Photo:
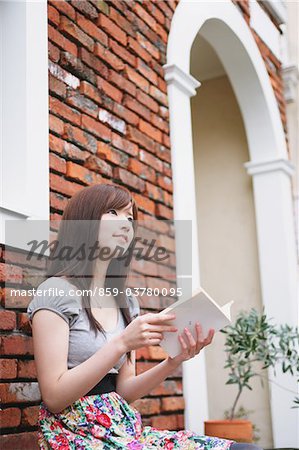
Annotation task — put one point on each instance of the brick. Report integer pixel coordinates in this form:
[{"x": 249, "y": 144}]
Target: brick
[
  {"x": 91, "y": 29},
  {"x": 94, "y": 62},
  {"x": 57, "y": 201},
  {"x": 156, "y": 67},
  {"x": 10, "y": 417},
  {"x": 57, "y": 164},
  {"x": 19, "y": 392},
  {"x": 112, "y": 155},
  {"x": 53, "y": 15},
  {"x": 122, "y": 53},
  {"x": 155, "y": 12},
  {"x": 151, "y": 160},
  {"x": 80, "y": 137},
  {"x": 163, "y": 153},
  {"x": 168, "y": 387},
  {"x": 148, "y": 46},
  {"x": 27, "y": 369},
  {"x": 142, "y": 367},
  {"x": 74, "y": 98},
  {"x": 101, "y": 6},
  {"x": 96, "y": 127},
  {"x": 147, "y": 406},
  {"x": 30, "y": 415},
  {"x": 98, "y": 165},
  {"x": 62, "y": 110},
  {"x": 165, "y": 8},
  {"x": 150, "y": 131},
  {"x": 144, "y": 203},
  {"x": 154, "y": 192},
  {"x": 158, "y": 122},
  {"x": 137, "y": 79},
  {"x": 8, "y": 368},
  {"x": 134, "y": 105},
  {"x": 7, "y": 320},
  {"x": 162, "y": 33},
  {"x": 125, "y": 114},
  {"x": 16, "y": 345},
  {"x": 147, "y": 101},
  {"x": 173, "y": 403},
  {"x": 121, "y": 21},
  {"x": 138, "y": 50},
  {"x": 80, "y": 173},
  {"x": 71, "y": 151},
  {"x": 64, "y": 7},
  {"x": 122, "y": 83},
  {"x": 55, "y": 144},
  {"x": 146, "y": 71},
  {"x": 86, "y": 8},
  {"x": 125, "y": 145},
  {"x": 90, "y": 91},
  {"x": 114, "y": 122},
  {"x": 112, "y": 29},
  {"x": 168, "y": 422},
  {"x": 63, "y": 75},
  {"x": 109, "y": 57},
  {"x": 58, "y": 184},
  {"x": 70, "y": 29},
  {"x": 61, "y": 41},
  {"x": 76, "y": 67},
  {"x": 109, "y": 90},
  {"x": 27, "y": 440},
  {"x": 149, "y": 20},
  {"x": 165, "y": 182},
  {"x": 168, "y": 199},
  {"x": 57, "y": 87},
  {"x": 142, "y": 139},
  {"x": 141, "y": 26},
  {"x": 159, "y": 95},
  {"x": 53, "y": 52},
  {"x": 10, "y": 273},
  {"x": 163, "y": 211},
  {"x": 144, "y": 171},
  {"x": 166, "y": 140},
  {"x": 129, "y": 179}
]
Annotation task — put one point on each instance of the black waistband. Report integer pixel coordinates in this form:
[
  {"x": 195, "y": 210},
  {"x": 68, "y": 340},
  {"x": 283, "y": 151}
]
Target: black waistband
[{"x": 106, "y": 384}]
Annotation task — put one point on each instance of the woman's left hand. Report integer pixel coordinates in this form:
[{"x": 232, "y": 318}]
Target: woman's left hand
[{"x": 191, "y": 347}]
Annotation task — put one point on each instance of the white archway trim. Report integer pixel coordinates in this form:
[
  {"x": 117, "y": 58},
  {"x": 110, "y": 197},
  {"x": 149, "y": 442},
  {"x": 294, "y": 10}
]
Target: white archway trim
[
  {"x": 280, "y": 164},
  {"x": 24, "y": 121},
  {"x": 224, "y": 27},
  {"x": 184, "y": 81}
]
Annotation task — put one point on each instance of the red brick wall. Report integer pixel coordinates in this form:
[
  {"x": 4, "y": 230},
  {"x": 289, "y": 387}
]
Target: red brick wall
[{"x": 108, "y": 123}]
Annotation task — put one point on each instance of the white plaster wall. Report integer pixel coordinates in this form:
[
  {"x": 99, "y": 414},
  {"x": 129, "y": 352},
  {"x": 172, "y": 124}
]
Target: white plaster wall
[{"x": 227, "y": 235}]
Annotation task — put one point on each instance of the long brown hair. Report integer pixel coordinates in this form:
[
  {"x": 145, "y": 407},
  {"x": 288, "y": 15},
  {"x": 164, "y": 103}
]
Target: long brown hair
[{"x": 80, "y": 224}]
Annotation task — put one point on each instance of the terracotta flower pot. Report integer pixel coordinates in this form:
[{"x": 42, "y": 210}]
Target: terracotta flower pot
[{"x": 238, "y": 430}]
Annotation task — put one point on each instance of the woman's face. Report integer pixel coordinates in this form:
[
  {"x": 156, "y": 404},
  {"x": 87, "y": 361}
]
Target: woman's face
[{"x": 116, "y": 229}]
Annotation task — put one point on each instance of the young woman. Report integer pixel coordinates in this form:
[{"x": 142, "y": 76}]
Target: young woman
[{"x": 86, "y": 327}]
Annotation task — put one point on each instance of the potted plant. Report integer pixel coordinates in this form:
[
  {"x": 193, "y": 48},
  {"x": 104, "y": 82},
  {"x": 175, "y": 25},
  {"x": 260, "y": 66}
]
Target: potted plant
[{"x": 251, "y": 340}]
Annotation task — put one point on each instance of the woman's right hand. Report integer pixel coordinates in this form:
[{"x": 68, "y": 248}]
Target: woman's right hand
[{"x": 146, "y": 330}]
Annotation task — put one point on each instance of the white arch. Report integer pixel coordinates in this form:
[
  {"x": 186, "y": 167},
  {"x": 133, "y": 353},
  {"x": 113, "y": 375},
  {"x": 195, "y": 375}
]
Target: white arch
[{"x": 224, "y": 27}]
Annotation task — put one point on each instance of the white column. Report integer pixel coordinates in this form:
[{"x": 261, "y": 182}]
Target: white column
[
  {"x": 277, "y": 258},
  {"x": 181, "y": 86}
]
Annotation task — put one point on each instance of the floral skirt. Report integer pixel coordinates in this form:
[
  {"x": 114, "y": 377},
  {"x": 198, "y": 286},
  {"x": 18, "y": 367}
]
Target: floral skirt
[{"x": 106, "y": 421}]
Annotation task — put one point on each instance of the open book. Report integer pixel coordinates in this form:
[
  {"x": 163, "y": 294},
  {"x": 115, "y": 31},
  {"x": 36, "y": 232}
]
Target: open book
[{"x": 199, "y": 308}]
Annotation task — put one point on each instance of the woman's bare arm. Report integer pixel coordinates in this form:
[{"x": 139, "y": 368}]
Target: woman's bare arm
[{"x": 61, "y": 386}]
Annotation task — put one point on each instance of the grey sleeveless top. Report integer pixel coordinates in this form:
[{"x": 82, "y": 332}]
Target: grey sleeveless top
[{"x": 83, "y": 342}]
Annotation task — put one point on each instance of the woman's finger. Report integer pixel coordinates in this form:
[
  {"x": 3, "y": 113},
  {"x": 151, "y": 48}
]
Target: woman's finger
[
  {"x": 191, "y": 342},
  {"x": 199, "y": 334}
]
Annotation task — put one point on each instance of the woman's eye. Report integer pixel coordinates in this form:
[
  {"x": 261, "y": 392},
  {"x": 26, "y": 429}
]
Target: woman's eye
[{"x": 130, "y": 218}]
